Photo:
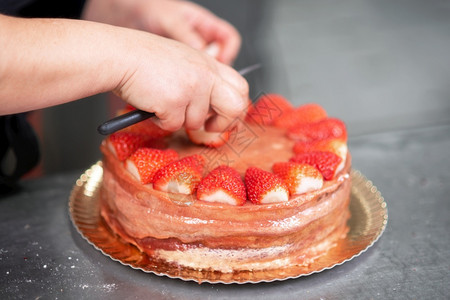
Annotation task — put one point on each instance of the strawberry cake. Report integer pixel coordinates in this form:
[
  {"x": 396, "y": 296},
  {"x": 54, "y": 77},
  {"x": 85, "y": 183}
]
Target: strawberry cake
[{"x": 271, "y": 193}]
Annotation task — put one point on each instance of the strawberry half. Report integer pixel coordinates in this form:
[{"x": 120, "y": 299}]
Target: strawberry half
[
  {"x": 181, "y": 176},
  {"x": 325, "y": 129},
  {"x": 210, "y": 139},
  {"x": 337, "y": 146},
  {"x": 123, "y": 144},
  {"x": 299, "y": 178},
  {"x": 222, "y": 185},
  {"x": 267, "y": 109},
  {"x": 146, "y": 127},
  {"x": 149, "y": 128},
  {"x": 307, "y": 113},
  {"x": 145, "y": 162},
  {"x": 327, "y": 163},
  {"x": 265, "y": 187}
]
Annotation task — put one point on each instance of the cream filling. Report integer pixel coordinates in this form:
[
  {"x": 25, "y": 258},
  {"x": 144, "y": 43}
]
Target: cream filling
[{"x": 227, "y": 260}]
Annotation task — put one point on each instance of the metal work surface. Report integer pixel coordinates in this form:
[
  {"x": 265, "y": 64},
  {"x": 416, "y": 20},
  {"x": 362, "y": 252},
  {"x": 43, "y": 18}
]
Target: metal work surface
[
  {"x": 381, "y": 66},
  {"x": 42, "y": 255}
]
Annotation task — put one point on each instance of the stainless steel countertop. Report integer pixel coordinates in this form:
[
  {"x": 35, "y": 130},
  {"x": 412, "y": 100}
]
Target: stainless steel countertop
[
  {"x": 43, "y": 256},
  {"x": 382, "y": 66}
]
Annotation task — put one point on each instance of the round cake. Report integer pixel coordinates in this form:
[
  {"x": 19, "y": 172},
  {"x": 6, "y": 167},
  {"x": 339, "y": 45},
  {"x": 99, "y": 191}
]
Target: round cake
[{"x": 272, "y": 192}]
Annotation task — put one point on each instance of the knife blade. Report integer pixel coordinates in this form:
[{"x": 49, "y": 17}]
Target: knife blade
[{"x": 136, "y": 116}]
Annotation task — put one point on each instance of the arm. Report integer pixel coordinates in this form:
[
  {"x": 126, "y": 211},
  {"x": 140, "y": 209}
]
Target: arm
[
  {"x": 45, "y": 62},
  {"x": 180, "y": 20}
]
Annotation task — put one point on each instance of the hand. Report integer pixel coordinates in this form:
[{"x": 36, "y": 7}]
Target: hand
[
  {"x": 180, "y": 20},
  {"x": 182, "y": 86}
]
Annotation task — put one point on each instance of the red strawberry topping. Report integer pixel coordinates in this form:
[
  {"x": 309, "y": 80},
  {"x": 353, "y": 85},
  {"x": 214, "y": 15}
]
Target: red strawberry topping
[
  {"x": 123, "y": 144},
  {"x": 129, "y": 107},
  {"x": 181, "y": 176},
  {"x": 146, "y": 127},
  {"x": 328, "y": 163},
  {"x": 210, "y": 139},
  {"x": 307, "y": 113},
  {"x": 337, "y": 146},
  {"x": 321, "y": 130},
  {"x": 299, "y": 178},
  {"x": 265, "y": 187},
  {"x": 145, "y": 162},
  {"x": 267, "y": 109},
  {"x": 223, "y": 185}
]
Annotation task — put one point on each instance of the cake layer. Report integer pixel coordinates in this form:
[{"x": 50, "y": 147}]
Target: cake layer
[
  {"x": 144, "y": 212},
  {"x": 187, "y": 232},
  {"x": 250, "y": 251},
  {"x": 204, "y": 235}
]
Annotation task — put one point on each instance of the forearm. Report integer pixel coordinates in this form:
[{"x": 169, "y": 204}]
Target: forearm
[{"x": 44, "y": 62}]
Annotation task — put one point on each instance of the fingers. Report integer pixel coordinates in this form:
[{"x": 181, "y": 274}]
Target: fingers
[
  {"x": 172, "y": 119},
  {"x": 226, "y": 51},
  {"x": 222, "y": 33},
  {"x": 218, "y": 105},
  {"x": 232, "y": 77},
  {"x": 230, "y": 42},
  {"x": 192, "y": 117},
  {"x": 228, "y": 102},
  {"x": 212, "y": 49},
  {"x": 220, "y": 39},
  {"x": 224, "y": 102},
  {"x": 193, "y": 25},
  {"x": 182, "y": 85},
  {"x": 196, "y": 113}
]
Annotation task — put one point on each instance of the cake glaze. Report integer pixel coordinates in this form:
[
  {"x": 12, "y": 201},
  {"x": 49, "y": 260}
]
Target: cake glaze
[{"x": 189, "y": 233}]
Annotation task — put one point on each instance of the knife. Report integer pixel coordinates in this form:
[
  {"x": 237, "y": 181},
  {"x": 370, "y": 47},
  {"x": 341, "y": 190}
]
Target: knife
[{"x": 136, "y": 116}]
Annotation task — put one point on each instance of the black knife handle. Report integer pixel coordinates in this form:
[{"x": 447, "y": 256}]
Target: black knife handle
[{"x": 123, "y": 121}]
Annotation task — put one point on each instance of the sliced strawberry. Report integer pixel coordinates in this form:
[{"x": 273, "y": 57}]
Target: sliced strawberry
[
  {"x": 124, "y": 110},
  {"x": 123, "y": 144},
  {"x": 222, "y": 185},
  {"x": 327, "y": 163},
  {"x": 181, "y": 176},
  {"x": 145, "y": 162},
  {"x": 299, "y": 178},
  {"x": 267, "y": 109},
  {"x": 210, "y": 139},
  {"x": 324, "y": 129},
  {"x": 337, "y": 146},
  {"x": 146, "y": 127},
  {"x": 265, "y": 187},
  {"x": 129, "y": 107},
  {"x": 307, "y": 113}
]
